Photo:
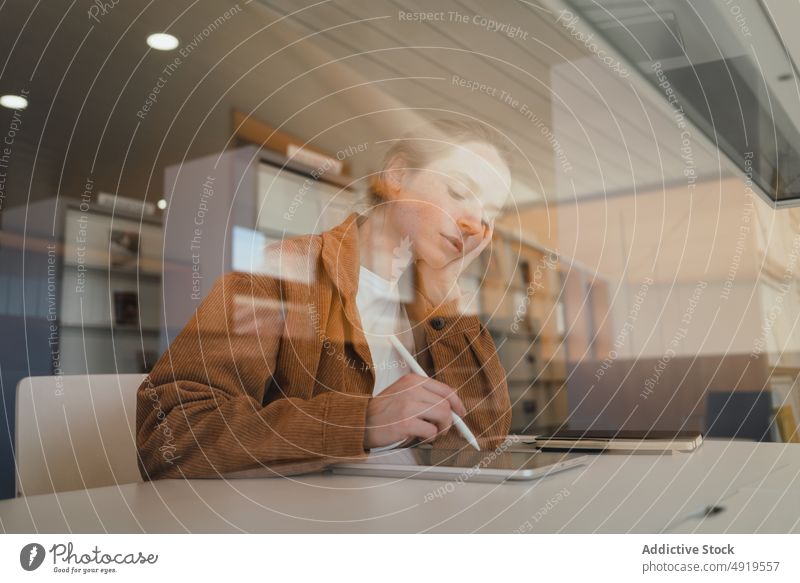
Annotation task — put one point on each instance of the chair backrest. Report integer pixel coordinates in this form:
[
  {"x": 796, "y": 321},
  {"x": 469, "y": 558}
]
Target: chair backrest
[
  {"x": 76, "y": 432},
  {"x": 739, "y": 414}
]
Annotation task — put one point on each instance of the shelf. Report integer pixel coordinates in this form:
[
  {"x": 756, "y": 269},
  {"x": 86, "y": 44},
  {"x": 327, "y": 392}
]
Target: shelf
[
  {"x": 117, "y": 270},
  {"x": 108, "y": 327},
  {"x": 116, "y": 213}
]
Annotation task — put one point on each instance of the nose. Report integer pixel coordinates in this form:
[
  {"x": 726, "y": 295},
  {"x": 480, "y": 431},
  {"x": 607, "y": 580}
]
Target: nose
[{"x": 469, "y": 226}]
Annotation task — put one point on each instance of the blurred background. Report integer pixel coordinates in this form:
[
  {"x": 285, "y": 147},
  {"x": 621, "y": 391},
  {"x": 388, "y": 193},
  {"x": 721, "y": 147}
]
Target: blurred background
[{"x": 643, "y": 274}]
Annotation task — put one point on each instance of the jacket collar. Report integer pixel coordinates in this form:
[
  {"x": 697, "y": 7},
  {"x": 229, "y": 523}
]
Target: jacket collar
[
  {"x": 340, "y": 256},
  {"x": 342, "y": 263}
]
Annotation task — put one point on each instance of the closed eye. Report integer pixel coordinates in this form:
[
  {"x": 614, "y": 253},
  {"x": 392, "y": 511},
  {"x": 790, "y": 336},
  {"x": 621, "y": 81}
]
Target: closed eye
[{"x": 455, "y": 195}]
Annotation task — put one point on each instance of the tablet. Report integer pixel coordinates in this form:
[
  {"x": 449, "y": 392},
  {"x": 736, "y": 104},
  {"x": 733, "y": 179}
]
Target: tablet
[{"x": 466, "y": 464}]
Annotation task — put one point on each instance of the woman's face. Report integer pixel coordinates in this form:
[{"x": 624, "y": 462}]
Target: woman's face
[{"x": 448, "y": 207}]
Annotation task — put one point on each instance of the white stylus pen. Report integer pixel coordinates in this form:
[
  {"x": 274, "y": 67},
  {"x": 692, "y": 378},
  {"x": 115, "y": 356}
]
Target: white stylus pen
[{"x": 417, "y": 369}]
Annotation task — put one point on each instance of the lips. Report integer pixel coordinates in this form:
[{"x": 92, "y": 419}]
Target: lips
[{"x": 455, "y": 242}]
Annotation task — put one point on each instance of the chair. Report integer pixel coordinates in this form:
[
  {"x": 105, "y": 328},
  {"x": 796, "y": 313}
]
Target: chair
[
  {"x": 739, "y": 415},
  {"x": 76, "y": 432}
]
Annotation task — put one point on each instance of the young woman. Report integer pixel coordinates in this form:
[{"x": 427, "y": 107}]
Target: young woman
[{"x": 292, "y": 368}]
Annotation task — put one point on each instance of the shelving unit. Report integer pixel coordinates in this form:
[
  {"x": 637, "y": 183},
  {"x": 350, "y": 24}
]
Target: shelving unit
[
  {"x": 224, "y": 209},
  {"x": 84, "y": 332},
  {"x": 529, "y": 295}
]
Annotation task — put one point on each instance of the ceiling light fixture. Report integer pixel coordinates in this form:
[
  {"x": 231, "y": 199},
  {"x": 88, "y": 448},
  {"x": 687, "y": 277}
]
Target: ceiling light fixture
[
  {"x": 13, "y": 101},
  {"x": 162, "y": 41}
]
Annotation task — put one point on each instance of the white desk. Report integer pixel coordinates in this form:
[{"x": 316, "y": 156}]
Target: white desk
[{"x": 759, "y": 485}]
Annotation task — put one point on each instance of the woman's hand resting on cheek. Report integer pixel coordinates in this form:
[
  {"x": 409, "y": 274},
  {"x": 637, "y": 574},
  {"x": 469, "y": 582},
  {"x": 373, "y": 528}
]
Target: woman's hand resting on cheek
[
  {"x": 412, "y": 407},
  {"x": 440, "y": 284}
]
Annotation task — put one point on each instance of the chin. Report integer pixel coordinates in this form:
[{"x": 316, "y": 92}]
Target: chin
[{"x": 437, "y": 259}]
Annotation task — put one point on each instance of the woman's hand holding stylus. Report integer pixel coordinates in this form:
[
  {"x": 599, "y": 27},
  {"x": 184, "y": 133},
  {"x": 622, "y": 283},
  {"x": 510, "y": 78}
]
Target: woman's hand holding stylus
[{"x": 413, "y": 407}]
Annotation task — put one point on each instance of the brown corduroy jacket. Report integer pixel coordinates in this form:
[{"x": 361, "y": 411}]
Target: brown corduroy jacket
[{"x": 273, "y": 370}]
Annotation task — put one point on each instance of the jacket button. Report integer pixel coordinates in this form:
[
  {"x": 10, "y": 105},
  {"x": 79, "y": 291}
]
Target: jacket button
[{"x": 437, "y": 323}]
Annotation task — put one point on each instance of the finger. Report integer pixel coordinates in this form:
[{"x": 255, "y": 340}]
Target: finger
[
  {"x": 420, "y": 429},
  {"x": 442, "y": 391},
  {"x": 476, "y": 249},
  {"x": 487, "y": 237},
  {"x": 472, "y": 243},
  {"x": 446, "y": 392},
  {"x": 426, "y": 399},
  {"x": 439, "y": 414},
  {"x": 429, "y": 399}
]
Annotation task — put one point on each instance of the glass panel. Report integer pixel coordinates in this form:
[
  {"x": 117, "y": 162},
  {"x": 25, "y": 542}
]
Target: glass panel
[{"x": 723, "y": 65}]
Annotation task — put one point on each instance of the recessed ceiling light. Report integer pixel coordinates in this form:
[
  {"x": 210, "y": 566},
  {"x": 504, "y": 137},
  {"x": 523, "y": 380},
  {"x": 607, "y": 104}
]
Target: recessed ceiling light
[
  {"x": 162, "y": 204},
  {"x": 162, "y": 41},
  {"x": 13, "y": 101}
]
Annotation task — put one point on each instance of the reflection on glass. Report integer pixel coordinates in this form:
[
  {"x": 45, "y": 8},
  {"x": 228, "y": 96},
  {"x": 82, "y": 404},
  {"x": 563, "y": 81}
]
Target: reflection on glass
[{"x": 721, "y": 65}]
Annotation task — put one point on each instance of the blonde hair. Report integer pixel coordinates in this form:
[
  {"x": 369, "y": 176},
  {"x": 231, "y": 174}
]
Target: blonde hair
[{"x": 430, "y": 141}]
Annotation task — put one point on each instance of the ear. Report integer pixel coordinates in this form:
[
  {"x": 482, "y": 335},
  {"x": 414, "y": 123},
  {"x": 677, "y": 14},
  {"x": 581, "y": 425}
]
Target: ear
[{"x": 393, "y": 176}]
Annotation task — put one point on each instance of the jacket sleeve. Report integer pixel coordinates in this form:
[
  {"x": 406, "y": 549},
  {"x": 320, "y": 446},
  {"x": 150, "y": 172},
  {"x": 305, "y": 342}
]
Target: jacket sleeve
[
  {"x": 200, "y": 411},
  {"x": 462, "y": 354}
]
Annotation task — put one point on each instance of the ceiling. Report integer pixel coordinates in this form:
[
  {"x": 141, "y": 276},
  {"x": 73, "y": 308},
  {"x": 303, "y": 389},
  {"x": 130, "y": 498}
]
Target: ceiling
[
  {"x": 88, "y": 80},
  {"x": 335, "y": 72},
  {"x": 610, "y": 137}
]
